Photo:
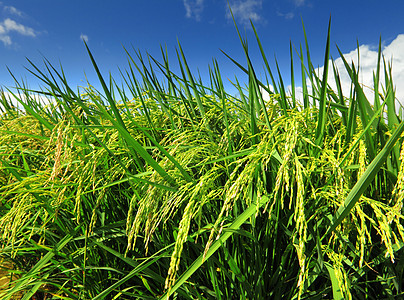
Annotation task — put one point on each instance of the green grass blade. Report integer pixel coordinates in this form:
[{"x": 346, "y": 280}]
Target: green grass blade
[
  {"x": 376, "y": 77},
  {"x": 240, "y": 220},
  {"x": 390, "y": 97},
  {"x": 137, "y": 270},
  {"x": 253, "y": 111},
  {"x": 366, "y": 178},
  {"x": 186, "y": 175},
  {"x": 192, "y": 82},
  {"x": 40, "y": 264},
  {"x": 107, "y": 91},
  {"x": 336, "y": 291},
  {"x": 322, "y": 117},
  {"x": 136, "y": 146},
  {"x": 220, "y": 89},
  {"x": 363, "y": 105},
  {"x": 340, "y": 94},
  {"x": 352, "y": 148},
  {"x": 31, "y": 111},
  {"x": 306, "y": 103},
  {"x": 282, "y": 92},
  {"x": 265, "y": 60},
  {"x": 292, "y": 77},
  {"x": 310, "y": 67}
]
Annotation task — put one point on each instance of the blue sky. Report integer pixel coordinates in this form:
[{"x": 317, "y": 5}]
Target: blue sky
[{"x": 54, "y": 30}]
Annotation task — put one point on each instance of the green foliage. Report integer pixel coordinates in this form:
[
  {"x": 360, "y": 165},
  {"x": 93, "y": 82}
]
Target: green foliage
[{"x": 181, "y": 190}]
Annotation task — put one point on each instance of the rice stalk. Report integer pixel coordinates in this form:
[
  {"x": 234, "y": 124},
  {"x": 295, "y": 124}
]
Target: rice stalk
[{"x": 108, "y": 197}]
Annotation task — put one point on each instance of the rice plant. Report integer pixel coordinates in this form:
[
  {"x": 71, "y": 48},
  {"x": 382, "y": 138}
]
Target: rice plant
[{"x": 165, "y": 186}]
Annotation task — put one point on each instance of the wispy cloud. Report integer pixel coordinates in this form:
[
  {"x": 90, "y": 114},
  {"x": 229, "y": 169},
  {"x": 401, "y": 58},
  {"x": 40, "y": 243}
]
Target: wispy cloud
[
  {"x": 299, "y": 2},
  {"x": 12, "y": 10},
  {"x": 84, "y": 37},
  {"x": 5, "y": 39},
  {"x": 246, "y": 10},
  {"x": 291, "y": 9},
  {"x": 193, "y": 9},
  {"x": 9, "y": 26},
  {"x": 287, "y": 16}
]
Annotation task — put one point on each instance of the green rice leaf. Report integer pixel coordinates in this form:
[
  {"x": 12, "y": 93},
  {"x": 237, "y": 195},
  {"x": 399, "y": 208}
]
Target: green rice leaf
[
  {"x": 364, "y": 181},
  {"x": 336, "y": 290},
  {"x": 241, "y": 219}
]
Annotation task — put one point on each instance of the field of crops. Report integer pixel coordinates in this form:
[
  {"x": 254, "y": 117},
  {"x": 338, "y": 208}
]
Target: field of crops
[{"x": 167, "y": 186}]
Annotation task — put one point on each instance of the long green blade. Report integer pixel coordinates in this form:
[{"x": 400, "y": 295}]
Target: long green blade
[
  {"x": 240, "y": 220},
  {"x": 364, "y": 181},
  {"x": 322, "y": 117}
]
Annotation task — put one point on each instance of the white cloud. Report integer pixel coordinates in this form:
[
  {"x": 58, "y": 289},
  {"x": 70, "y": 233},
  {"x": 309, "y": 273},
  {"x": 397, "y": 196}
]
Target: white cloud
[
  {"x": 11, "y": 25},
  {"x": 13, "y": 10},
  {"x": 8, "y": 26},
  {"x": 193, "y": 8},
  {"x": 394, "y": 53},
  {"x": 84, "y": 37},
  {"x": 246, "y": 10}
]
